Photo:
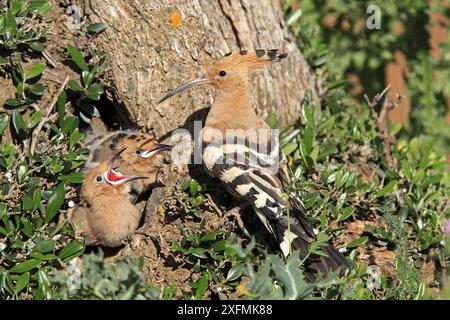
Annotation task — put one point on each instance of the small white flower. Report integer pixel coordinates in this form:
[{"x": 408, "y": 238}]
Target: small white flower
[
  {"x": 316, "y": 232},
  {"x": 342, "y": 250},
  {"x": 404, "y": 190},
  {"x": 71, "y": 204}
]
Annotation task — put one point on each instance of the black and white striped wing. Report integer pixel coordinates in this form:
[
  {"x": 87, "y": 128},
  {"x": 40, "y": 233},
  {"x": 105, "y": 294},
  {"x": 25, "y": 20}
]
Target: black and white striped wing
[{"x": 256, "y": 178}]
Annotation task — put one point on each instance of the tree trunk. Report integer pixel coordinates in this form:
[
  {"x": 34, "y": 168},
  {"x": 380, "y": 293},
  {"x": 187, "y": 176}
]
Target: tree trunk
[{"x": 151, "y": 51}]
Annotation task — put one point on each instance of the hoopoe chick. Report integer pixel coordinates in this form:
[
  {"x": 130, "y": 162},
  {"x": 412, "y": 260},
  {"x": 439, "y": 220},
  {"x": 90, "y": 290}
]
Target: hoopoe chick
[
  {"x": 241, "y": 150},
  {"x": 140, "y": 158},
  {"x": 105, "y": 216}
]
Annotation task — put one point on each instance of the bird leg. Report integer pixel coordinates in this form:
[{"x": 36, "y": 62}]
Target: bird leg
[{"x": 235, "y": 212}]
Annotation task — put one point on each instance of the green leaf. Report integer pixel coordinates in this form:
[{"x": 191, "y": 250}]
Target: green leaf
[
  {"x": 10, "y": 23},
  {"x": 69, "y": 125},
  {"x": 87, "y": 78},
  {"x": 35, "y": 71},
  {"x": 4, "y": 123},
  {"x": 289, "y": 148},
  {"x": 96, "y": 27},
  {"x": 406, "y": 167},
  {"x": 327, "y": 124},
  {"x": 95, "y": 92},
  {"x": 27, "y": 203},
  {"x": 290, "y": 275},
  {"x": 37, "y": 89},
  {"x": 55, "y": 202},
  {"x": 27, "y": 228},
  {"x": 75, "y": 137},
  {"x": 210, "y": 236},
  {"x": 272, "y": 120},
  {"x": 357, "y": 242},
  {"x": 71, "y": 251},
  {"x": 37, "y": 46},
  {"x": 61, "y": 106},
  {"x": 45, "y": 8},
  {"x": 220, "y": 245},
  {"x": 18, "y": 122},
  {"x": 308, "y": 141},
  {"x": 22, "y": 171},
  {"x": 36, "y": 5},
  {"x": 308, "y": 114},
  {"x": 36, "y": 199},
  {"x": 25, "y": 266},
  {"x": 20, "y": 90},
  {"x": 169, "y": 291},
  {"x": 193, "y": 188},
  {"x": 13, "y": 102},
  {"x": 18, "y": 6},
  {"x": 202, "y": 286},
  {"x": 235, "y": 272},
  {"x": 77, "y": 57},
  {"x": 45, "y": 246},
  {"x": 3, "y": 61},
  {"x": 74, "y": 177},
  {"x": 74, "y": 86},
  {"x": 346, "y": 213},
  {"x": 34, "y": 119},
  {"x": 3, "y": 208},
  {"x": 22, "y": 282},
  {"x": 388, "y": 188},
  {"x": 198, "y": 252}
]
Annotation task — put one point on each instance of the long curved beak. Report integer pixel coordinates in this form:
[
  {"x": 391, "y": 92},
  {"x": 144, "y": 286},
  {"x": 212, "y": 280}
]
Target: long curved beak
[
  {"x": 195, "y": 82},
  {"x": 155, "y": 150}
]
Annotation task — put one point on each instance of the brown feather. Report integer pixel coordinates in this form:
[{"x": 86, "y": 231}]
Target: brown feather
[{"x": 105, "y": 216}]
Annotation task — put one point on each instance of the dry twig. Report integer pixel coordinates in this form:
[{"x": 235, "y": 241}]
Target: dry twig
[
  {"x": 46, "y": 117},
  {"x": 382, "y": 120}
]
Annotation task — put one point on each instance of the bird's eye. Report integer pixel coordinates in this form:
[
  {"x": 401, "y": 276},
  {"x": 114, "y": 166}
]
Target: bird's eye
[
  {"x": 138, "y": 152},
  {"x": 222, "y": 73},
  {"x": 99, "y": 179}
]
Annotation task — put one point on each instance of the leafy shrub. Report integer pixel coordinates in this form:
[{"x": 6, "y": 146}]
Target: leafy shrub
[{"x": 97, "y": 279}]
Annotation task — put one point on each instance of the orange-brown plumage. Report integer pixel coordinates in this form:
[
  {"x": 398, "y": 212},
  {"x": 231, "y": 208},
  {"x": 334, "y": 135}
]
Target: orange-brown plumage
[
  {"x": 105, "y": 215},
  {"x": 131, "y": 161}
]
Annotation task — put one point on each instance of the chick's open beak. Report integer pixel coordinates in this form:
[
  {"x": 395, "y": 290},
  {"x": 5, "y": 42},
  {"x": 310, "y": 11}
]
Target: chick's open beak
[
  {"x": 116, "y": 178},
  {"x": 195, "y": 82}
]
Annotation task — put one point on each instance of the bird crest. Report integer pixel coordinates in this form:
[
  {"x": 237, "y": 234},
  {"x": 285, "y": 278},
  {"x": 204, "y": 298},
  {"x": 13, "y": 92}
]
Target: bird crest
[
  {"x": 250, "y": 60},
  {"x": 233, "y": 70}
]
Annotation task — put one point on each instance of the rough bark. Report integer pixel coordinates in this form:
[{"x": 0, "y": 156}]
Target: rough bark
[{"x": 149, "y": 55}]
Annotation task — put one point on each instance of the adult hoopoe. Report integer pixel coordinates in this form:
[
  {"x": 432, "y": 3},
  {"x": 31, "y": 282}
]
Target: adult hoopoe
[
  {"x": 140, "y": 158},
  {"x": 239, "y": 148},
  {"x": 105, "y": 216}
]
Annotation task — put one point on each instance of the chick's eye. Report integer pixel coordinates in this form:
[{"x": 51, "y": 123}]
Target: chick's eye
[
  {"x": 222, "y": 73},
  {"x": 99, "y": 179},
  {"x": 138, "y": 151}
]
